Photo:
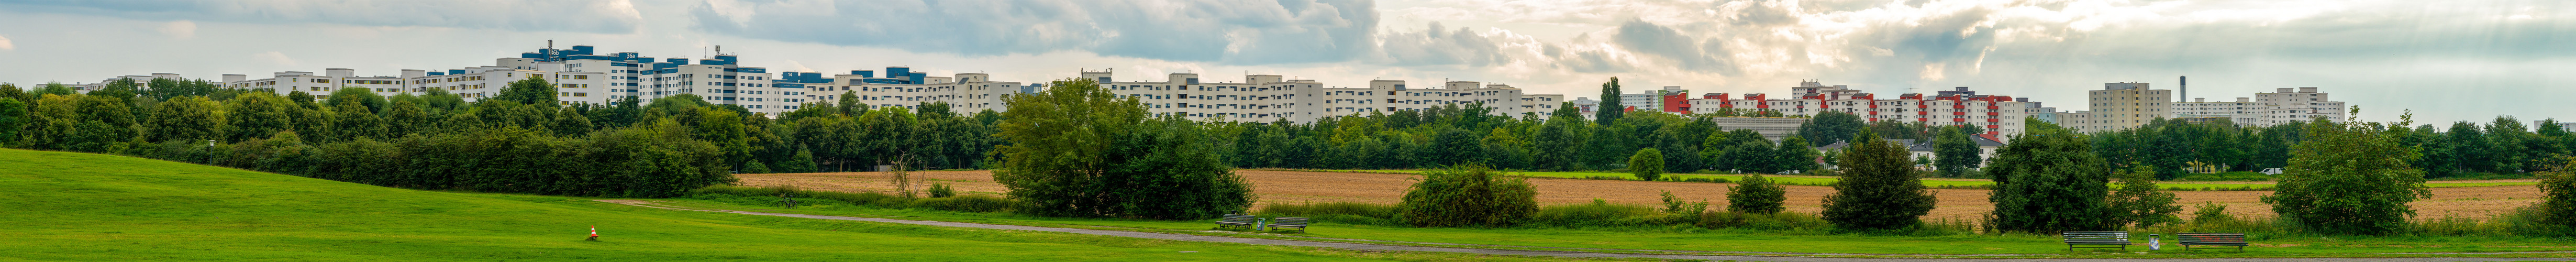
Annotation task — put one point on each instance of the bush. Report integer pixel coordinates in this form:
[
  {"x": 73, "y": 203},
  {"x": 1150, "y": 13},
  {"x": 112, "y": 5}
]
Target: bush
[
  {"x": 938, "y": 190},
  {"x": 1772, "y": 221},
  {"x": 1879, "y": 189},
  {"x": 1647, "y": 164},
  {"x": 965, "y": 203},
  {"x": 2139, "y": 201},
  {"x": 1597, "y": 214},
  {"x": 1468, "y": 195},
  {"x": 1329, "y": 208},
  {"x": 2349, "y": 178},
  {"x": 2557, "y": 208},
  {"x": 2211, "y": 212},
  {"x": 1757, "y": 195}
]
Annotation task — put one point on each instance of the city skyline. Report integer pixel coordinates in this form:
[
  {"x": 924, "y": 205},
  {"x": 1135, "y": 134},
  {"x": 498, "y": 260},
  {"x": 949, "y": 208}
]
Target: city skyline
[{"x": 2386, "y": 56}]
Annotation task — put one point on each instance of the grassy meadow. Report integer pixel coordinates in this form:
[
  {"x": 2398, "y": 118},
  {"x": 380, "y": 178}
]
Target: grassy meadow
[{"x": 89, "y": 207}]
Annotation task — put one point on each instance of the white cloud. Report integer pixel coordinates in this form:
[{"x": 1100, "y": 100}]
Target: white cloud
[
  {"x": 1231, "y": 31},
  {"x": 610, "y": 16},
  {"x": 182, "y": 29},
  {"x": 274, "y": 57},
  {"x": 6, "y": 45}
]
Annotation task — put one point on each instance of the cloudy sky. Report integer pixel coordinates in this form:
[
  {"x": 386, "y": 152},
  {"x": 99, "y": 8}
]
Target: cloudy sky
[{"x": 2447, "y": 60}]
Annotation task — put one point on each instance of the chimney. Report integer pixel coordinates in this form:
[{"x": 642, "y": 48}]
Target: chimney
[{"x": 2183, "y": 83}]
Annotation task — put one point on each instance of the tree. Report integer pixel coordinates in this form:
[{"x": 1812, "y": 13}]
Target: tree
[
  {"x": 2349, "y": 178},
  {"x": 1647, "y": 164},
  {"x": 1794, "y": 154},
  {"x": 2049, "y": 181},
  {"x": 1879, "y": 189},
  {"x": 1079, "y": 150},
  {"x": 534, "y": 91},
  {"x": 1610, "y": 108},
  {"x": 1829, "y": 127},
  {"x": 355, "y": 122},
  {"x": 2139, "y": 201},
  {"x": 254, "y": 115},
  {"x": 1453, "y": 146},
  {"x": 405, "y": 117},
  {"x": 361, "y": 96},
  {"x": 186, "y": 119},
  {"x": 2558, "y": 206},
  {"x": 1757, "y": 195},
  {"x": 1956, "y": 153},
  {"x": 12, "y": 119},
  {"x": 1466, "y": 196}
]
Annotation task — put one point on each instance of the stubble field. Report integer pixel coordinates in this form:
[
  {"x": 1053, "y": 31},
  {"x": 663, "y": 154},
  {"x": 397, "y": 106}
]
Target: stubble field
[{"x": 1301, "y": 187}]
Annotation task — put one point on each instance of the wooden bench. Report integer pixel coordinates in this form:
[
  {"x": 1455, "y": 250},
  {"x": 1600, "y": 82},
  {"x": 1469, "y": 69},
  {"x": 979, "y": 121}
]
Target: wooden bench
[
  {"x": 2096, "y": 239},
  {"x": 1239, "y": 221},
  {"x": 2211, "y": 239},
  {"x": 1288, "y": 222}
]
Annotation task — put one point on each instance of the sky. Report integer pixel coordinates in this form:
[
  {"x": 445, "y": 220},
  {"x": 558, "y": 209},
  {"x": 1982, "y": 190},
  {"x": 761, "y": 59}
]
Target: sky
[{"x": 2452, "y": 60}]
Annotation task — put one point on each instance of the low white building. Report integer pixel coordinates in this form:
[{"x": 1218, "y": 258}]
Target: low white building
[
  {"x": 1271, "y": 97},
  {"x": 2265, "y": 109}
]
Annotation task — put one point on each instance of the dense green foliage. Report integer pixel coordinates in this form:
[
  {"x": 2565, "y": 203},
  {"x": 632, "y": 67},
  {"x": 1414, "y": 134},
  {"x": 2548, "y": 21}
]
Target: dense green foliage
[
  {"x": 1647, "y": 164},
  {"x": 2350, "y": 177},
  {"x": 1468, "y": 196},
  {"x": 1757, "y": 195},
  {"x": 1954, "y": 153},
  {"x": 2139, "y": 202},
  {"x": 1610, "y": 108},
  {"x": 1079, "y": 150},
  {"x": 2559, "y": 201},
  {"x": 2048, "y": 181},
  {"x": 1879, "y": 190},
  {"x": 1829, "y": 127}
]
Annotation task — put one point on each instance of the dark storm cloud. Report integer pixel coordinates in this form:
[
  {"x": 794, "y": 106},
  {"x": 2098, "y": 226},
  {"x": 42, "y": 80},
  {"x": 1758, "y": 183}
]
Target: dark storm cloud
[{"x": 573, "y": 16}]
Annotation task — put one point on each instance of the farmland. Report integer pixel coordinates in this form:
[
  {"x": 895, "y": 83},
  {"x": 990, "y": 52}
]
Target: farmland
[{"x": 1276, "y": 186}]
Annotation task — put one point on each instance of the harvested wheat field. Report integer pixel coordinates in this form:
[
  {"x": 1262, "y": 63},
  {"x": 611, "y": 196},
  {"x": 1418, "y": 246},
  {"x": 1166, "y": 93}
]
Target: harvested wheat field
[{"x": 1300, "y": 187}]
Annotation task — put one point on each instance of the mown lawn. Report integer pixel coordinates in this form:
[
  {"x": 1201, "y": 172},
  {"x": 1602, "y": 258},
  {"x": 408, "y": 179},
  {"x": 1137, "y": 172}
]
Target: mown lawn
[
  {"x": 1694, "y": 239},
  {"x": 1937, "y": 183},
  {"x": 58, "y": 206}
]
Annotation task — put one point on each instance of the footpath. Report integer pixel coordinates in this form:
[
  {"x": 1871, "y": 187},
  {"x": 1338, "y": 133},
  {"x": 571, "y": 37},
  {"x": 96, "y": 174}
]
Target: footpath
[{"x": 1783, "y": 257}]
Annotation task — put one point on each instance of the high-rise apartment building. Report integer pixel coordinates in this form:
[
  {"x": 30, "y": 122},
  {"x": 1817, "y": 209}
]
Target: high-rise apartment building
[
  {"x": 1999, "y": 115},
  {"x": 2119, "y": 106},
  {"x": 1271, "y": 97}
]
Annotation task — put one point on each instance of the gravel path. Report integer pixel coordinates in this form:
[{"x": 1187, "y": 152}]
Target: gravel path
[{"x": 1359, "y": 246}]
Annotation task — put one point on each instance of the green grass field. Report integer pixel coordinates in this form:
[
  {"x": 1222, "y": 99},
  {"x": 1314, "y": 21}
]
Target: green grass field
[
  {"x": 79, "y": 207},
  {"x": 1694, "y": 239},
  {"x": 1960, "y": 183}
]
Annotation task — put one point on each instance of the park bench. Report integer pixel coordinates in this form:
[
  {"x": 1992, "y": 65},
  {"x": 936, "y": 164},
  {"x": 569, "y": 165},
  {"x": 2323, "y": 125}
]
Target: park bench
[
  {"x": 2211, "y": 239},
  {"x": 2096, "y": 239},
  {"x": 1239, "y": 221},
  {"x": 1288, "y": 222}
]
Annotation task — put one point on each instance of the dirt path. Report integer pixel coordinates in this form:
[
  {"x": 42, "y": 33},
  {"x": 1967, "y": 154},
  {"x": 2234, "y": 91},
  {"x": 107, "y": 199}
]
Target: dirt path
[
  {"x": 1957, "y": 204},
  {"x": 1691, "y": 255}
]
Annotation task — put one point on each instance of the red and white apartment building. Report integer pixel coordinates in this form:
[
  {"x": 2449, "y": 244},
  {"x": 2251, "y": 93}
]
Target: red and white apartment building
[{"x": 2000, "y": 115}]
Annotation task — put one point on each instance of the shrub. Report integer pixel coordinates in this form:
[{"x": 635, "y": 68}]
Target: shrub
[
  {"x": 2557, "y": 208},
  {"x": 1078, "y": 150},
  {"x": 1597, "y": 214},
  {"x": 1879, "y": 189},
  {"x": 1468, "y": 195},
  {"x": 1335, "y": 212},
  {"x": 1647, "y": 164},
  {"x": 938, "y": 190},
  {"x": 1773, "y": 221},
  {"x": 1757, "y": 195},
  {"x": 2211, "y": 212},
  {"x": 2348, "y": 178},
  {"x": 2139, "y": 201},
  {"x": 1674, "y": 206},
  {"x": 965, "y": 203}
]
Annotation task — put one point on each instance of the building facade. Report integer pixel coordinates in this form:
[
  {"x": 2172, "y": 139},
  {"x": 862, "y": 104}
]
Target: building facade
[
  {"x": 1262, "y": 98},
  {"x": 2265, "y": 109},
  {"x": 2118, "y": 106},
  {"x": 1998, "y": 115}
]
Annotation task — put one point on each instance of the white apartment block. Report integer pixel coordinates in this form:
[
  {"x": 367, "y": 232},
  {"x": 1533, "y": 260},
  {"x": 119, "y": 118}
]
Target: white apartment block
[
  {"x": 2265, "y": 109},
  {"x": 578, "y": 75},
  {"x": 1269, "y": 97},
  {"x": 900, "y": 87}
]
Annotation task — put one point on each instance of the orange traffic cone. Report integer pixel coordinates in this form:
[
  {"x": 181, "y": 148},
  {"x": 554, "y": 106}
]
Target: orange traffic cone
[{"x": 594, "y": 233}]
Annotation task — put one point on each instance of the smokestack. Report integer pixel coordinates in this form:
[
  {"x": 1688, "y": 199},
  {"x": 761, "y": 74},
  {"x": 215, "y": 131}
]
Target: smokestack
[{"x": 2185, "y": 85}]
